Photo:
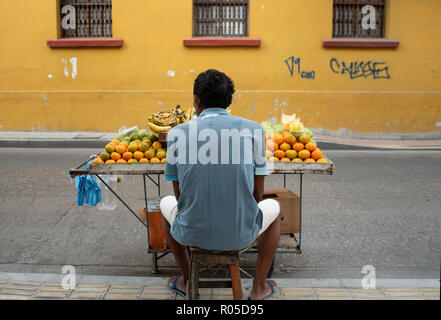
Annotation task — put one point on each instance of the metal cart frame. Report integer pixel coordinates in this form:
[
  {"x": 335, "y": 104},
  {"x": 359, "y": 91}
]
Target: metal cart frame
[{"x": 148, "y": 171}]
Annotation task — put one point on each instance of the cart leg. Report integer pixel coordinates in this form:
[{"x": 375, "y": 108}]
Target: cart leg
[
  {"x": 154, "y": 263},
  {"x": 300, "y": 199},
  {"x": 284, "y": 181},
  {"x": 146, "y": 210},
  {"x": 159, "y": 185}
]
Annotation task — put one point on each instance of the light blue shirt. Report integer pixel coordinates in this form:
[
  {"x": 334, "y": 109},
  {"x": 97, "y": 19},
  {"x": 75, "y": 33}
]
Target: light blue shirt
[{"x": 217, "y": 209}]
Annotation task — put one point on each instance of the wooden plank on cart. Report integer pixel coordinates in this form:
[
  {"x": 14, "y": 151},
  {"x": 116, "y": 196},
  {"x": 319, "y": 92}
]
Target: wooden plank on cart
[
  {"x": 158, "y": 168},
  {"x": 127, "y": 168},
  {"x": 302, "y": 167}
]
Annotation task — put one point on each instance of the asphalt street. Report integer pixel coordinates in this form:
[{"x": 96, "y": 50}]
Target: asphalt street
[{"x": 381, "y": 208}]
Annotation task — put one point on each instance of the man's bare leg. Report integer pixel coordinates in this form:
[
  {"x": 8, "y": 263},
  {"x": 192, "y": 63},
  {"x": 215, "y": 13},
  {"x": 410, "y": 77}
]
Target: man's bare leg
[
  {"x": 267, "y": 244},
  {"x": 181, "y": 256}
]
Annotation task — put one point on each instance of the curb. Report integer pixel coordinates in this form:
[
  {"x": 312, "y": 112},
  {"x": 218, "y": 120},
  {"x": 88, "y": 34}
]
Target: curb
[
  {"x": 282, "y": 282},
  {"x": 100, "y": 144},
  {"x": 53, "y": 143}
]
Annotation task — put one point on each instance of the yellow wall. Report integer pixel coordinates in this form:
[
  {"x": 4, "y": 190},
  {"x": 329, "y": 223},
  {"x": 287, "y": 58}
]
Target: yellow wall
[{"x": 115, "y": 87}]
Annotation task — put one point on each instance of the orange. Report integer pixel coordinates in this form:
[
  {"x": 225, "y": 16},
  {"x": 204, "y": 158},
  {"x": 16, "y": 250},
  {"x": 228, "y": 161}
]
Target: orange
[
  {"x": 110, "y": 161},
  {"x": 285, "y": 160},
  {"x": 138, "y": 155},
  {"x": 298, "y": 146},
  {"x": 304, "y": 138},
  {"x": 285, "y": 146},
  {"x": 297, "y": 160},
  {"x": 164, "y": 160},
  {"x": 121, "y": 161},
  {"x": 104, "y": 156},
  {"x": 147, "y": 141},
  {"x": 143, "y": 147},
  {"x": 121, "y": 148},
  {"x": 115, "y": 156},
  {"x": 270, "y": 145},
  {"x": 317, "y": 154},
  {"x": 98, "y": 160},
  {"x": 132, "y": 161},
  {"x": 127, "y": 155},
  {"x": 156, "y": 145},
  {"x": 160, "y": 155},
  {"x": 155, "y": 160},
  {"x": 290, "y": 139},
  {"x": 125, "y": 143},
  {"x": 132, "y": 147},
  {"x": 322, "y": 160},
  {"x": 279, "y": 154},
  {"x": 304, "y": 154},
  {"x": 110, "y": 148},
  {"x": 115, "y": 141},
  {"x": 144, "y": 160},
  {"x": 149, "y": 154},
  {"x": 309, "y": 160},
  {"x": 285, "y": 133},
  {"x": 271, "y": 135},
  {"x": 278, "y": 138},
  {"x": 291, "y": 154},
  {"x": 273, "y": 159},
  {"x": 311, "y": 146}
]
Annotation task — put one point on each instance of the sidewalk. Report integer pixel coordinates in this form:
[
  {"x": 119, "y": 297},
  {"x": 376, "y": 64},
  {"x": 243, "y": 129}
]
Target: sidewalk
[
  {"x": 47, "y": 286},
  {"x": 84, "y": 140}
]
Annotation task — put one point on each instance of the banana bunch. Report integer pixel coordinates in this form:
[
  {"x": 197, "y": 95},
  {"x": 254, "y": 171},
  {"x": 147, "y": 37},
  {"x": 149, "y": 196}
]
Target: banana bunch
[{"x": 164, "y": 120}]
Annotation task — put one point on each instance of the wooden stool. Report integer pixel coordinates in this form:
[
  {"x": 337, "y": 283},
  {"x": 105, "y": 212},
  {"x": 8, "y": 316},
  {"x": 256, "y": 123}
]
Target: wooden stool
[{"x": 205, "y": 257}]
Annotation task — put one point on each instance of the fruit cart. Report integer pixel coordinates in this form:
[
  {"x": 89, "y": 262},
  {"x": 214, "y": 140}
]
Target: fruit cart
[{"x": 289, "y": 243}]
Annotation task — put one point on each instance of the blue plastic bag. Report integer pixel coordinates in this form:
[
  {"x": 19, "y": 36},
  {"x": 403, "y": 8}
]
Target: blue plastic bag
[{"x": 88, "y": 190}]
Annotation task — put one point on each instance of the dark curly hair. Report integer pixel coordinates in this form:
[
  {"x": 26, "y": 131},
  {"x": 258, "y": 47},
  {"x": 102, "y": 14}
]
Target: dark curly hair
[{"x": 214, "y": 88}]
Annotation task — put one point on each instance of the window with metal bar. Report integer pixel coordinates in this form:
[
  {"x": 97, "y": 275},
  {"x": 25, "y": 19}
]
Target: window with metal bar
[
  {"x": 348, "y": 16},
  {"x": 220, "y": 18},
  {"x": 93, "y": 19}
]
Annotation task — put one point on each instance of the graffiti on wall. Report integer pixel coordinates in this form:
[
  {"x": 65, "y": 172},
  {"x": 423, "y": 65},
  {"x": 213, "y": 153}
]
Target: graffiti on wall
[
  {"x": 294, "y": 66},
  {"x": 361, "y": 69}
]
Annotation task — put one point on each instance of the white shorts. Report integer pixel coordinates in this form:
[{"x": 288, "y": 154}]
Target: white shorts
[{"x": 270, "y": 209}]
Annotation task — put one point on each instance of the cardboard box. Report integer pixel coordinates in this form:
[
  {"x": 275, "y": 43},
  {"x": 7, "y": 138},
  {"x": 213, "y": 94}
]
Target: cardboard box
[{"x": 289, "y": 209}]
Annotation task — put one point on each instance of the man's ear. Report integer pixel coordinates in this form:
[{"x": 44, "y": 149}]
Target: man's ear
[{"x": 197, "y": 104}]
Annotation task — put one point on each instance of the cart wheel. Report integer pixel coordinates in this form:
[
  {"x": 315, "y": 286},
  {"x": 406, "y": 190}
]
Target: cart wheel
[{"x": 270, "y": 272}]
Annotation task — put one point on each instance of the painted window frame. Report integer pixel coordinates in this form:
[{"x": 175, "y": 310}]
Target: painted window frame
[
  {"x": 82, "y": 42},
  {"x": 222, "y": 40},
  {"x": 361, "y": 42}
]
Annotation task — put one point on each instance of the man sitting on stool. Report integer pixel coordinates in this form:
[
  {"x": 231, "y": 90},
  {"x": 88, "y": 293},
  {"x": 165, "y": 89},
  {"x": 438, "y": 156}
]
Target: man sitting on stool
[{"x": 217, "y": 165}]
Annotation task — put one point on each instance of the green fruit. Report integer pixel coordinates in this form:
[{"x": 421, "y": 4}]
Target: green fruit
[
  {"x": 309, "y": 132},
  {"x": 134, "y": 136},
  {"x": 104, "y": 156},
  {"x": 144, "y": 134},
  {"x": 278, "y": 128},
  {"x": 153, "y": 138},
  {"x": 143, "y": 147},
  {"x": 297, "y": 134}
]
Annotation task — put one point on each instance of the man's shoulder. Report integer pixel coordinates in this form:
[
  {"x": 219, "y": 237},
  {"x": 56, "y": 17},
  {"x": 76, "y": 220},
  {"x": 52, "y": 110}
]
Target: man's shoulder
[{"x": 247, "y": 123}]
